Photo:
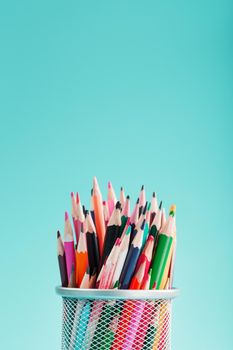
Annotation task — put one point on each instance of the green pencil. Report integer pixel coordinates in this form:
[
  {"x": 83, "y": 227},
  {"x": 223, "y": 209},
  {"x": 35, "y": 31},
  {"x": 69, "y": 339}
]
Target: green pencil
[{"x": 162, "y": 250}]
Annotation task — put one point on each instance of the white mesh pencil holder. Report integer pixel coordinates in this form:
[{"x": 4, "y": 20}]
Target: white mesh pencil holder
[{"x": 116, "y": 319}]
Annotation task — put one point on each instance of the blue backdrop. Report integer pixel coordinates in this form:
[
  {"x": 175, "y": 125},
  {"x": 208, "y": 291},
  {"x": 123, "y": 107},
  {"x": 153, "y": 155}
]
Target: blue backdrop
[{"x": 131, "y": 91}]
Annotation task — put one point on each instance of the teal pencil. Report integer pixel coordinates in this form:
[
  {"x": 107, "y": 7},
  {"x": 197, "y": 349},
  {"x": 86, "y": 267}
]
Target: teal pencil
[{"x": 82, "y": 326}]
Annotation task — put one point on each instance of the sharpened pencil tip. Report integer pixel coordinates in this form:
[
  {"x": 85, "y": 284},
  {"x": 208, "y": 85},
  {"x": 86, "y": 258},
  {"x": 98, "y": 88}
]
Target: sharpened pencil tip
[
  {"x": 160, "y": 205},
  {"x": 137, "y": 201},
  {"x": 118, "y": 205},
  {"x": 122, "y": 189},
  {"x": 142, "y": 188},
  {"x": 58, "y": 234},
  {"x": 128, "y": 197},
  {"x": 92, "y": 192},
  {"x": 77, "y": 198},
  {"x": 109, "y": 184},
  {"x": 66, "y": 216},
  {"x": 143, "y": 224},
  {"x": 154, "y": 195},
  {"x": 72, "y": 194},
  {"x": 144, "y": 210}
]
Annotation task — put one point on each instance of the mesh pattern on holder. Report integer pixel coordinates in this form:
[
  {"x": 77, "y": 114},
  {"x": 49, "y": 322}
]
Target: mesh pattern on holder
[{"x": 116, "y": 324}]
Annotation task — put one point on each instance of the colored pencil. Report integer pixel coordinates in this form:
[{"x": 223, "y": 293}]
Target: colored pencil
[
  {"x": 61, "y": 260},
  {"x": 162, "y": 250},
  {"x": 85, "y": 283},
  {"x": 82, "y": 326},
  {"x": 138, "y": 277},
  {"x": 154, "y": 207},
  {"x": 122, "y": 197},
  {"x": 139, "y": 223},
  {"x": 147, "y": 224},
  {"x": 142, "y": 200},
  {"x": 99, "y": 215},
  {"x": 112, "y": 231},
  {"x": 81, "y": 258},
  {"x": 111, "y": 198},
  {"x": 131, "y": 260},
  {"x": 106, "y": 213},
  {"x": 109, "y": 266},
  {"x": 92, "y": 207},
  {"x": 156, "y": 223},
  {"x": 148, "y": 314},
  {"x": 69, "y": 246},
  {"x": 124, "y": 247},
  {"x": 133, "y": 325},
  {"x": 134, "y": 219},
  {"x": 125, "y": 214},
  {"x": 80, "y": 213},
  {"x": 146, "y": 255},
  {"x": 163, "y": 219},
  {"x": 93, "y": 279},
  {"x": 72, "y": 280},
  {"x": 75, "y": 322},
  {"x": 92, "y": 244}
]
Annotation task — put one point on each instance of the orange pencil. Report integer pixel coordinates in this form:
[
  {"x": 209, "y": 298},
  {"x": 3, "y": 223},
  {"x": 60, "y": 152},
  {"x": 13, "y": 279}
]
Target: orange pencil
[
  {"x": 81, "y": 258},
  {"x": 99, "y": 215}
]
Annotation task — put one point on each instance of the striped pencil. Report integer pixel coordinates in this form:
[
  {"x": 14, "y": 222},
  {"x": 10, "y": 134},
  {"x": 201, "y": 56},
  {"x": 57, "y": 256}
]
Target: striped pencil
[
  {"x": 61, "y": 260},
  {"x": 69, "y": 246},
  {"x": 99, "y": 215}
]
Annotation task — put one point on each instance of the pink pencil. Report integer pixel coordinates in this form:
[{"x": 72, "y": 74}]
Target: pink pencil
[
  {"x": 111, "y": 198},
  {"x": 69, "y": 246}
]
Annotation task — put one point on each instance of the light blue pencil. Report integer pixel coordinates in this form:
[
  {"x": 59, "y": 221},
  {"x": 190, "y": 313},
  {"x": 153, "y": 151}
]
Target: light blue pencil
[{"x": 82, "y": 326}]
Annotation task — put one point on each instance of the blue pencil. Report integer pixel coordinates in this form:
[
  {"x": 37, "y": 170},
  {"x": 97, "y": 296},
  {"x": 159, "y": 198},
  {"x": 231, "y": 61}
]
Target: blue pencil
[{"x": 132, "y": 258}]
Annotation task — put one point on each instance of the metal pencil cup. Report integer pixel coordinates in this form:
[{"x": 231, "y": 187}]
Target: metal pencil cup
[{"x": 95, "y": 319}]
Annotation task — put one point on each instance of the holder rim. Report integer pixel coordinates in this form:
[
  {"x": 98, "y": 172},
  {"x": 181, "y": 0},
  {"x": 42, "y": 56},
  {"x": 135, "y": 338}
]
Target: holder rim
[{"x": 123, "y": 294}]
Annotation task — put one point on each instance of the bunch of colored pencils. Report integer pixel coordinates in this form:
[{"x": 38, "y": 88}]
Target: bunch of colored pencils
[{"x": 110, "y": 247}]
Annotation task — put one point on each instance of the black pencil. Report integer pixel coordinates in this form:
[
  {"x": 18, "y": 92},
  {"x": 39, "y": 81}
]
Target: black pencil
[
  {"x": 61, "y": 260},
  {"x": 112, "y": 231},
  {"x": 92, "y": 244}
]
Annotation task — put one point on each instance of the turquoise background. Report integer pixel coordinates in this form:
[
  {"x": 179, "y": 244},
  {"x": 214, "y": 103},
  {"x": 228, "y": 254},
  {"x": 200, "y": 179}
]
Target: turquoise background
[{"x": 132, "y": 91}]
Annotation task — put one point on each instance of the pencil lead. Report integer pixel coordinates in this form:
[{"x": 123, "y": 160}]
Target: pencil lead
[
  {"x": 154, "y": 195},
  {"x": 137, "y": 201},
  {"x": 58, "y": 234},
  {"x": 160, "y": 205},
  {"x": 109, "y": 184},
  {"x": 77, "y": 198},
  {"x": 128, "y": 197},
  {"x": 66, "y": 216},
  {"x": 144, "y": 209},
  {"x": 121, "y": 188},
  {"x": 143, "y": 224},
  {"x": 72, "y": 194},
  {"x": 92, "y": 192},
  {"x": 118, "y": 205},
  {"x": 142, "y": 188}
]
